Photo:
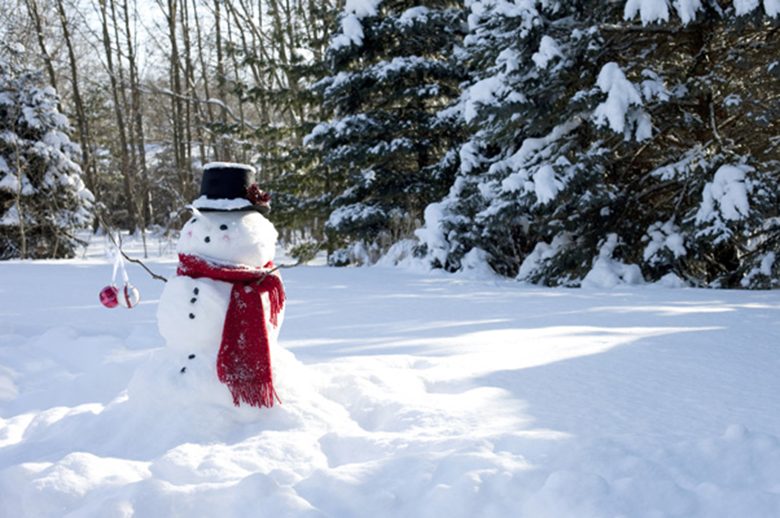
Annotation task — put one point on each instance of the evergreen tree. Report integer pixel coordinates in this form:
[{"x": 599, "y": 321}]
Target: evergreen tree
[
  {"x": 390, "y": 148},
  {"x": 596, "y": 140},
  {"x": 42, "y": 197},
  {"x": 290, "y": 170}
]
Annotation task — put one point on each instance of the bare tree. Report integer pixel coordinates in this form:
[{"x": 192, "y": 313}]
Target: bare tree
[
  {"x": 120, "y": 120},
  {"x": 137, "y": 115},
  {"x": 82, "y": 119},
  {"x": 35, "y": 16}
]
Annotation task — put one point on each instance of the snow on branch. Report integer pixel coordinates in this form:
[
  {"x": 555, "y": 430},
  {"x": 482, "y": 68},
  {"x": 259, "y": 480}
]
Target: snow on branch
[
  {"x": 726, "y": 195},
  {"x": 651, "y": 11},
  {"x": 548, "y": 49},
  {"x": 616, "y": 110},
  {"x": 351, "y": 28}
]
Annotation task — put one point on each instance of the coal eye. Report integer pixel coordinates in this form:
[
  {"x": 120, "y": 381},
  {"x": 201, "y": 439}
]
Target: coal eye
[
  {"x": 193, "y": 220},
  {"x": 223, "y": 227}
]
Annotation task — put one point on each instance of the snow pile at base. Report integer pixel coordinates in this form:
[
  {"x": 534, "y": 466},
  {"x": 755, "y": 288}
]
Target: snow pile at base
[
  {"x": 608, "y": 272},
  {"x": 670, "y": 280},
  {"x": 402, "y": 255},
  {"x": 402, "y": 395},
  {"x": 474, "y": 265}
]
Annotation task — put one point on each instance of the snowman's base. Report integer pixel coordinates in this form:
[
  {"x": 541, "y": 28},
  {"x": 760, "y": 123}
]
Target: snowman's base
[{"x": 165, "y": 407}]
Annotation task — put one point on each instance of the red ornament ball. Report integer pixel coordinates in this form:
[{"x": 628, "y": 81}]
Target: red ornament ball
[{"x": 109, "y": 296}]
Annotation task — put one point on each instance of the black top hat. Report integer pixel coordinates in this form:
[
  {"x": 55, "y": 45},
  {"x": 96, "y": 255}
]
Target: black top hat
[{"x": 230, "y": 187}]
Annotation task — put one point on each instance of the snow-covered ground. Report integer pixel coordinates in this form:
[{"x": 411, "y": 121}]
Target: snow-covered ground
[{"x": 403, "y": 395}]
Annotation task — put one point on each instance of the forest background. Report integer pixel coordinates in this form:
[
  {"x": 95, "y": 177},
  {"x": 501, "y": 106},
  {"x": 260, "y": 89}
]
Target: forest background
[{"x": 544, "y": 140}]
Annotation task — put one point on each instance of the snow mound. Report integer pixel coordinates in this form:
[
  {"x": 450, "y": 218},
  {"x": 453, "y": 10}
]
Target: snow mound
[{"x": 608, "y": 272}]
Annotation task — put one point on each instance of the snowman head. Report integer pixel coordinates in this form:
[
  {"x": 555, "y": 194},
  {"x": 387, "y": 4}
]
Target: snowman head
[
  {"x": 227, "y": 226},
  {"x": 234, "y": 238}
]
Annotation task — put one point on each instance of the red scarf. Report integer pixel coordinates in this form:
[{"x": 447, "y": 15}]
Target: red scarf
[{"x": 244, "y": 359}]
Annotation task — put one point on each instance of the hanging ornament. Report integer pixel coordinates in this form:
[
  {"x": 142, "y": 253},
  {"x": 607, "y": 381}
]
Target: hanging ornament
[
  {"x": 129, "y": 296},
  {"x": 111, "y": 296}
]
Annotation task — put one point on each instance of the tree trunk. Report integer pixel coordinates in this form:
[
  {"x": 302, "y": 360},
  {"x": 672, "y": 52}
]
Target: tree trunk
[
  {"x": 126, "y": 173},
  {"x": 185, "y": 32},
  {"x": 82, "y": 121},
  {"x": 205, "y": 78},
  {"x": 35, "y": 15},
  {"x": 242, "y": 157},
  {"x": 137, "y": 114},
  {"x": 183, "y": 169},
  {"x": 224, "y": 150}
]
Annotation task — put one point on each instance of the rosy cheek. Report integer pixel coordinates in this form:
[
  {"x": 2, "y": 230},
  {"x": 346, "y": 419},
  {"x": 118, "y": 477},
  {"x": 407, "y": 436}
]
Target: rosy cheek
[
  {"x": 226, "y": 238},
  {"x": 189, "y": 233}
]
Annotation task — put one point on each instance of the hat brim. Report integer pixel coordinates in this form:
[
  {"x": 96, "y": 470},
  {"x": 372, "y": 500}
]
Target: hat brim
[{"x": 205, "y": 204}]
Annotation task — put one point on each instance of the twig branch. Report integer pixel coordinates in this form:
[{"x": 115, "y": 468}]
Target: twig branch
[
  {"x": 151, "y": 89},
  {"x": 136, "y": 261},
  {"x": 118, "y": 246}
]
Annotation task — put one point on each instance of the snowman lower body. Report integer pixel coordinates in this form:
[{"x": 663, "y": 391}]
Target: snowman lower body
[{"x": 191, "y": 317}]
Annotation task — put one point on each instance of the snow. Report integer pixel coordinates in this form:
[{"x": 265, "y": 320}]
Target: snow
[
  {"x": 653, "y": 86},
  {"x": 743, "y": 7},
  {"x": 541, "y": 253},
  {"x": 204, "y": 202},
  {"x": 8, "y": 182},
  {"x": 764, "y": 268},
  {"x": 475, "y": 265},
  {"x": 608, "y": 272},
  {"x": 228, "y": 165},
  {"x": 413, "y": 14},
  {"x": 687, "y": 9},
  {"x": 232, "y": 238},
  {"x": 402, "y": 254},
  {"x": 403, "y": 395},
  {"x": 546, "y": 185},
  {"x": 353, "y": 213},
  {"x": 726, "y": 195},
  {"x": 10, "y": 216},
  {"x": 484, "y": 92},
  {"x": 362, "y": 8},
  {"x": 649, "y": 10},
  {"x": 548, "y": 49},
  {"x": 432, "y": 232},
  {"x": 351, "y": 32},
  {"x": 732, "y": 100},
  {"x": 664, "y": 236},
  {"x": 621, "y": 94},
  {"x": 351, "y": 28}
]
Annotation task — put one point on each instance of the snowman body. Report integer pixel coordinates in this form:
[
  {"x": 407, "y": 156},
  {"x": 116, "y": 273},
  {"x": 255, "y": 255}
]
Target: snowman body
[{"x": 191, "y": 313}]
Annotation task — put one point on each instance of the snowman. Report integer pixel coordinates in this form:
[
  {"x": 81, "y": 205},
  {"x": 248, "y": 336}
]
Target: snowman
[{"x": 220, "y": 316}]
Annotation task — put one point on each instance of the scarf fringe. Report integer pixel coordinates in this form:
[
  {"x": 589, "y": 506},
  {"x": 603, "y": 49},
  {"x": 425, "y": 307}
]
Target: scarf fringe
[
  {"x": 276, "y": 297},
  {"x": 257, "y": 395}
]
